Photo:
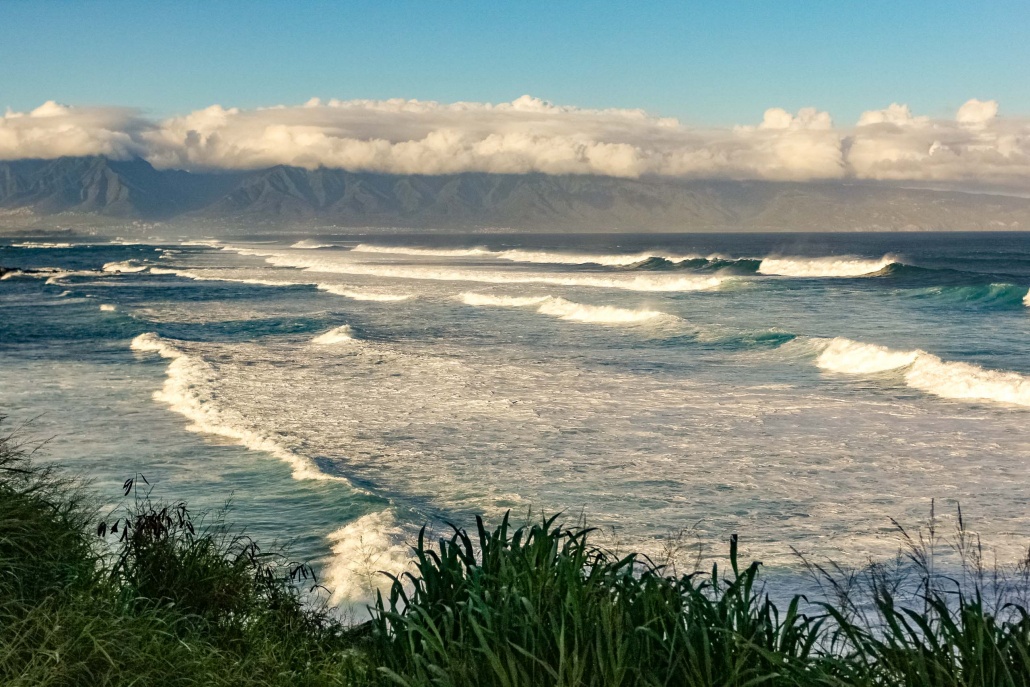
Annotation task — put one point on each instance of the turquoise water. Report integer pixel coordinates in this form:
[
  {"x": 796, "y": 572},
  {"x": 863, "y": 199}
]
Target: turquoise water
[{"x": 343, "y": 390}]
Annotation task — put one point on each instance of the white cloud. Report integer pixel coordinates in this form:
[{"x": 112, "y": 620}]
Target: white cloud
[
  {"x": 526, "y": 135},
  {"x": 976, "y": 147},
  {"x": 531, "y": 135},
  {"x": 53, "y": 130},
  {"x": 977, "y": 111}
]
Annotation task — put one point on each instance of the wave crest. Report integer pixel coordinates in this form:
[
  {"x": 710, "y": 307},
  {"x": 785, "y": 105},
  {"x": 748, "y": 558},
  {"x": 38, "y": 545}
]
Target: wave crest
[
  {"x": 124, "y": 266},
  {"x": 431, "y": 252},
  {"x": 565, "y": 309},
  {"x": 627, "y": 282},
  {"x": 823, "y": 267},
  {"x": 853, "y": 357},
  {"x": 362, "y": 551},
  {"x": 342, "y": 334},
  {"x": 927, "y": 372}
]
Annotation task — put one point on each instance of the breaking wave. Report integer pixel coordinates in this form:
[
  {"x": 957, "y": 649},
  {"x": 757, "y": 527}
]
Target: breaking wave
[
  {"x": 853, "y": 357},
  {"x": 566, "y": 310},
  {"x": 651, "y": 260},
  {"x": 342, "y": 334},
  {"x": 187, "y": 391},
  {"x": 52, "y": 274},
  {"x": 432, "y": 252},
  {"x": 43, "y": 244},
  {"x": 515, "y": 255},
  {"x": 574, "y": 259},
  {"x": 362, "y": 551},
  {"x": 823, "y": 267},
  {"x": 308, "y": 244},
  {"x": 196, "y": 276},
  {"x": 124, "y": 266},
  {"x": 723, "y": 265},
  {"x": 927, "y": 372},
  {"x": 632, "y": 283},
  {"x": 335, "y": 289}
]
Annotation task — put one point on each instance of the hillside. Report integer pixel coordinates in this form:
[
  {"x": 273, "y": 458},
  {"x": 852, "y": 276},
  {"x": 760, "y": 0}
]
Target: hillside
[{"x": 131, "y": 190}]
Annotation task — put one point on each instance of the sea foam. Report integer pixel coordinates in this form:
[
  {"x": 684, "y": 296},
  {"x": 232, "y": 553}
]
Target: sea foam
[
  {"x": 565, "y": 309},
  {"x": 927, "y": 372},
  {"x": 362, "y": 551},
  {"x": 188, "y": 391},
  {"x": 360, "y": 295}
]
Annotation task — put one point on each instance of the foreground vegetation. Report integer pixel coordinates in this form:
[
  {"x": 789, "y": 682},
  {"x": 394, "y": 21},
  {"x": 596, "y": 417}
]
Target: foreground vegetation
[{"x": 149, "y": 597}]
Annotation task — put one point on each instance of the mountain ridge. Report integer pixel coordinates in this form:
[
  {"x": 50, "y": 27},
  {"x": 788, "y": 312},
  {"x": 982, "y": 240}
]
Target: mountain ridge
[{"x": 134, "y": 190}]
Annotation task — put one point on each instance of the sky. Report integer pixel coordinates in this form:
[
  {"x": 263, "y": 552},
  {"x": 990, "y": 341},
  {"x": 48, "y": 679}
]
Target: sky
[
  {"x": 786, "y": 90},
  {"x": 705, "y": 63}
]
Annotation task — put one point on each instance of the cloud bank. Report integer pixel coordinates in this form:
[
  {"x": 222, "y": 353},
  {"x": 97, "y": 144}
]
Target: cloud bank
[{"x": 976, "y": 146}]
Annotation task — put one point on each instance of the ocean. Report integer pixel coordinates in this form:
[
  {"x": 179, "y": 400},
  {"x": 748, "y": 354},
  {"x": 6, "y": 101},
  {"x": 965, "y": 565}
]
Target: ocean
[{"x": 342, "y": 390}]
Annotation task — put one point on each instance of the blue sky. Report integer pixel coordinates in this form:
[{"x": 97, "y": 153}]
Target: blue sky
[{"x": 714, "y": 63}]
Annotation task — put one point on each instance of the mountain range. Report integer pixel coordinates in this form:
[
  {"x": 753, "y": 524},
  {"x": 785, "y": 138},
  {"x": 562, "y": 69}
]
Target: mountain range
[{"x": 98, "y": 187}]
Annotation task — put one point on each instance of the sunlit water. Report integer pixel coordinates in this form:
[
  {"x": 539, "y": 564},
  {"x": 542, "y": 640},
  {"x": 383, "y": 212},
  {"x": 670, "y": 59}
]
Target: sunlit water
[{"x": 800, "y": 390}]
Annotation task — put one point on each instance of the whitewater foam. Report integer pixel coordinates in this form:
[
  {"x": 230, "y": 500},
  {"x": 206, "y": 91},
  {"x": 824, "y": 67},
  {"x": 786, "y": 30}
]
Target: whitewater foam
[
  {"x": 853, "y": 357},
  {"x": 335, "y": 289},
  {"x": 52, "y": 274},
  {"x": 342, "y": 334},
  {"x": 430, "y": 252},
  {"x": 544, "y": 257},
  {"x": 308, "y": 244},
  {"x": 359, "y": 295},
  {"x": 124, "y": 266},
  {"x": 187, "y": 391},
  {"x": 823, "y": 267},
  {"x": 565, "y": 309},
  {"x": 196, "y": 276},
  {"x": 106, "y": 307},
  {"x": 43, "y": 244},
  {"x": 363, "y": 551},
  {"x": 483, "y": 299},
  {"x": 627, "y": 282},
  {"x": 578, "y": 259},
  {"x": 927, "y": 372}
]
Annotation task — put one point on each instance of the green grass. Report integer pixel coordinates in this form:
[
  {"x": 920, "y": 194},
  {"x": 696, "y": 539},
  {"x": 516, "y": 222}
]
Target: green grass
[
  {"x": 156, "y": 601},
  {"x": 152, "y": 596}
]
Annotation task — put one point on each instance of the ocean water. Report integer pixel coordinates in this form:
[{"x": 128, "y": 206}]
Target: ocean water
[{"x": 800, "y": 390}]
